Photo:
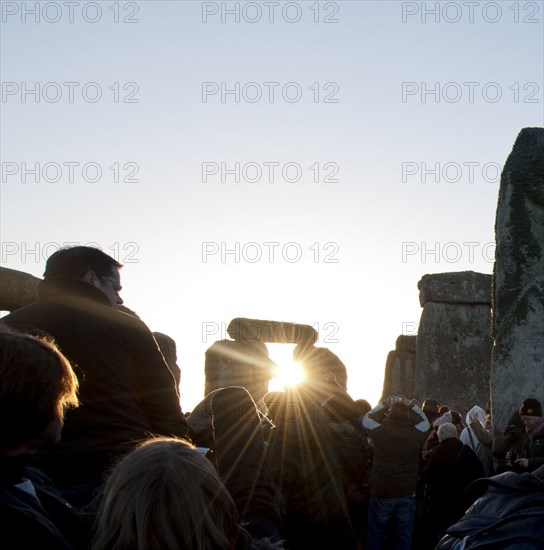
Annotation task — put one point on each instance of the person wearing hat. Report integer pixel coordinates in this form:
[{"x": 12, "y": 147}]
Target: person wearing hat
[
  {"x": 533, "y": 447},
  {"x": 397, "y": 429}
]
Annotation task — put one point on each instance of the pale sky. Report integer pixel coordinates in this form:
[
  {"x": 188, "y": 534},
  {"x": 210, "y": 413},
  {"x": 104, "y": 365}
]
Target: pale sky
[{"x": 294, "y": 161}]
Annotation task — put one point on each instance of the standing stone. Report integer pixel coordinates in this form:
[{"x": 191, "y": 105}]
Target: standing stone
[
  {"x": 244, "y": 361},
  {"x": 319, "y": 363},
  {"x": 453, "y": 346},
  {"x": 232, "y": 363},
  {"x": 518, "y": 279},
  {"x": 17, "y": 289},
  {"x": 400, "y": 368}
]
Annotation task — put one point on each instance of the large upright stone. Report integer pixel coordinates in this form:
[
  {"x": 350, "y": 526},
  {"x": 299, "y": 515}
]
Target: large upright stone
[
  {"x": 235, "y": 363},
  {"x": 400, "y": 368},
  {"x": 453, "y": 346},
  {"x": 319, "y": 363},
  {"x": 518, "y": 279},
  {"x": 17, "y": 289}
]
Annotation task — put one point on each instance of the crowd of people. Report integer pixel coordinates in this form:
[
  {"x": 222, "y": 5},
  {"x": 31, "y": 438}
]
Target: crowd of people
[{"x": 97, "y": 454}]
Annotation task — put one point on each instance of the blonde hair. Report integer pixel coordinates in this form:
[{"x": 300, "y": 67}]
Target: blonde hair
[{"x": 165, "y": 495}]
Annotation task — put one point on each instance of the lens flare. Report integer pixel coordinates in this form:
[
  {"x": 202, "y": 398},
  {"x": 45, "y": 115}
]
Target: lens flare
[{"x": 290, "y": 373}]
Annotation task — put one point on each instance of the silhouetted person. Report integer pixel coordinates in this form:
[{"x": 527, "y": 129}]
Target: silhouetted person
[
  {"x": 37, "y": 384},
  {"x": 307, "y": 468},
  {"x": 533, "y": 445},
  {"x": 165, "y": 495},
  {"x": 452, "y": 467},
  {"x": 126, "y": 389},
  {"x": 397, "y": 430}
]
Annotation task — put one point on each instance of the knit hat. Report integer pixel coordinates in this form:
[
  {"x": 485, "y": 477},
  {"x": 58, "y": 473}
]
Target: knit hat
[{"x": 530, "y": 407}]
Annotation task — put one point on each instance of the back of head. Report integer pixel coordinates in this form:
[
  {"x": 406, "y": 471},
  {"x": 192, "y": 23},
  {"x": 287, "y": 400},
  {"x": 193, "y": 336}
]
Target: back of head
[
  {"x": 74, "y": 262},
  {"x": 363, "y": 405},
  {"x": 456, "y": 418},
  {"x": 165, "y": 495},
  {"x": 341, "y": 408},
  {"x": 447, "y": 431},
  {"x": 430, "y": 405},
  {"x": 36, "y": 383},
  {"x": 530, "y": 407},
  {"x": 399, "y": 412},
  {"x": 430, "y": 408}
]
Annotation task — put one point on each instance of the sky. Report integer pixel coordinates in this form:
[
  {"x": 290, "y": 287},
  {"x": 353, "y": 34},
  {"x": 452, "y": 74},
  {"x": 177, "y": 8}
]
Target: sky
[{"x": 293, "y": 161}]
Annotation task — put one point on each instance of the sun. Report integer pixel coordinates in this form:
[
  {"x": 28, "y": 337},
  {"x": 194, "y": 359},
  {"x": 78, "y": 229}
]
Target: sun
[{"x": 289, "y": 373}]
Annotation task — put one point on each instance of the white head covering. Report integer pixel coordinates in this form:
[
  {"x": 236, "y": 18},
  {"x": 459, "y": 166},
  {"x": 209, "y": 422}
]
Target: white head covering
[{"x": 478, "y": 412}]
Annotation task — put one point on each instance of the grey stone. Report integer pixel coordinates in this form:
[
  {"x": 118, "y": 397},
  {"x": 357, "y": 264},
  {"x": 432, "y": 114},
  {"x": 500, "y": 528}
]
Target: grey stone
[
  {"x": 406, "y": 342},
  {"x": 318, "y": 362},
  {"x": 17, "y": 289},
  {"x": 464, "y": 287},
  {"x": 518, "y": 279},
  {"x": 245, "y": 364},
  {"x": 453, "y": 355},
  {"x": 258, "y": 330},
  {"x": 399, "y": 372}
]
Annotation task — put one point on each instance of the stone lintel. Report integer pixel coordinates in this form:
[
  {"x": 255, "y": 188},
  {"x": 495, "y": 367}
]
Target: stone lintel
[{"x": 461, "y": 287}]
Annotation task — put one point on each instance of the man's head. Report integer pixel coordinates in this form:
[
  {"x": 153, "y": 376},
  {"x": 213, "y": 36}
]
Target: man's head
[
  {"x": 399, "y": 412},
  {"x": 530, "y": 412},
  {"x": 87, "y": 264}
]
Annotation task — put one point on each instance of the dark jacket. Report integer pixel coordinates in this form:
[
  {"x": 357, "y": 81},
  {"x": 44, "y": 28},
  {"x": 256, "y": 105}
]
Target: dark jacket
[
  {"x": 509, "y": 515},
  {"x": 452, "y": 467},
  {"x": 50, "y": 523},
  {"x": 397, "y": 443},
  {"x": 533, "y": 446},
  {"x": 127, "y": 391}
]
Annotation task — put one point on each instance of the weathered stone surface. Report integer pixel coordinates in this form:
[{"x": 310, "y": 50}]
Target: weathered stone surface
[
  {"x": 518, "y": 279},
  {"x": 17, "y": 289},
  {"x": 231, "y": 363},
  {"x": 400, "y": 368},
  {"x": 318, "y": 361},
  {"x": 257, "y": 330},
  {"x": 453, "y": 355},
  {"x": 463, "y": 287},
  {"x": 406, "y": 342}
]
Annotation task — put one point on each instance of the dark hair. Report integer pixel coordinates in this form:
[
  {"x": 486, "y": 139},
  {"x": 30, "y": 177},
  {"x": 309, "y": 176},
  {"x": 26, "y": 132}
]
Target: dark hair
[
  {"x": 75, "y": 261},
  {"x": 36, "y": 382},
  {"x": 363, "y": 405},
  {"x": 456, "y": 417},
  {"x": 398, "y": 411},
  {"x": 430, "y": 405}
]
